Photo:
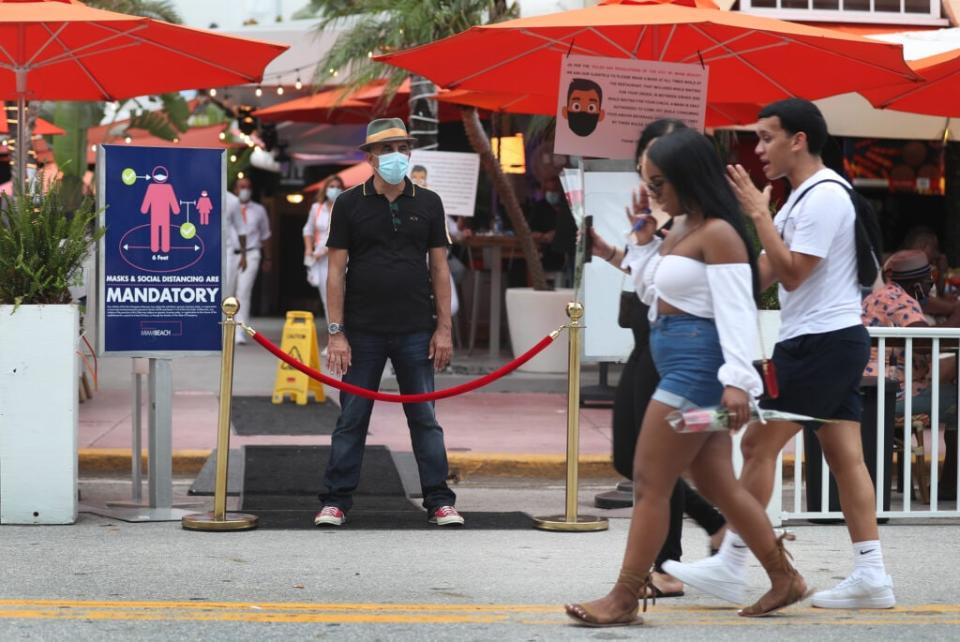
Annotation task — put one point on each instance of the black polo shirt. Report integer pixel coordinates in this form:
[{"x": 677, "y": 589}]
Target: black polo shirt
[{"x": 388, "y": 278}]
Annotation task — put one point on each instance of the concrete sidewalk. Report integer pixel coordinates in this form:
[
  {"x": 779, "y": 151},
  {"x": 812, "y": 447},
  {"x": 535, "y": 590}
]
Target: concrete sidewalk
[{"x": 515, "y": 426}]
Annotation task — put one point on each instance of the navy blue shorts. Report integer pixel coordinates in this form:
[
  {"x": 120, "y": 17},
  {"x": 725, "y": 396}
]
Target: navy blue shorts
[{"x": 819, "y": 375}]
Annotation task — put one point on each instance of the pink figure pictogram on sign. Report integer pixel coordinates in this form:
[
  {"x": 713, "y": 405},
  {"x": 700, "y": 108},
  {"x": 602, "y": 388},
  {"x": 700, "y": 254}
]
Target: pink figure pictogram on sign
[
  {"x": 204, "y": 206},
  {"x": 159, "y": 201}
]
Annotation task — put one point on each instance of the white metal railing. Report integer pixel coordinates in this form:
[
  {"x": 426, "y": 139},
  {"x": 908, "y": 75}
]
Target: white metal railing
[
  {"x": 904, "y": 12},
  {"x": 783, "y": 507}
]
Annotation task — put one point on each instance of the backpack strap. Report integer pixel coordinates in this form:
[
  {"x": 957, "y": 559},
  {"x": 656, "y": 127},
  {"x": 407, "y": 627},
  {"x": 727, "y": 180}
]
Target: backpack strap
[{"x": 804, "y": 193}]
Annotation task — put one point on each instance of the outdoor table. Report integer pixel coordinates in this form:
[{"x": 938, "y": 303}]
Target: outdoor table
[{"x": 496, "y": 244}]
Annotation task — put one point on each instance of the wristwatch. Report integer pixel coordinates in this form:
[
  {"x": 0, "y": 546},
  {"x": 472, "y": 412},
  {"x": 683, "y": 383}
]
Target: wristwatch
[{"x": 334, "y": 328}]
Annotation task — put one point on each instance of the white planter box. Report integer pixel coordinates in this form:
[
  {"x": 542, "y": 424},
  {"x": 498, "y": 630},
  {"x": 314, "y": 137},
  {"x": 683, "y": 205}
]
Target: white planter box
[
  {"x": 531, "y": 315},
  {"x": 38, "y": 414}
]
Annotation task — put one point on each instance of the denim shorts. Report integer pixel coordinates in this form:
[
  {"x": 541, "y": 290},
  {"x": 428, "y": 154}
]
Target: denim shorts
[
  {"x": 686, "y": 351},
  {"x": 819, "y": 375}
]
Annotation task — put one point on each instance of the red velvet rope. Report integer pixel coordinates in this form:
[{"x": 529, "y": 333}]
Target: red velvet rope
[{"x": 423, "y": 396}]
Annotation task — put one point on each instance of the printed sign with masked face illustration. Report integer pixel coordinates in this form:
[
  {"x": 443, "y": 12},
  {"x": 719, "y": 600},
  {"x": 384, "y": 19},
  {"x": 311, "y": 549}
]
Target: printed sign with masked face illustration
[
  {"x": 584, "y": 108},
  {"x": 604, "y": 103}
]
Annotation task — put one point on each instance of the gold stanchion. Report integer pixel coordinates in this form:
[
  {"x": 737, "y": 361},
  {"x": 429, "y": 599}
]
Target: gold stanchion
[
  {"x": 570, "y": 521},
  {"x": 220, "y": 519}
]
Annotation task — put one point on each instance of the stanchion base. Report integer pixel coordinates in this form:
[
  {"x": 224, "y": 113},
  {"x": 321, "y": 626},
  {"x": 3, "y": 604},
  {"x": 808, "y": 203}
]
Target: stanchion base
[
  {"x": 230, "y": 522},
  {"x": 584, "y": 523}
]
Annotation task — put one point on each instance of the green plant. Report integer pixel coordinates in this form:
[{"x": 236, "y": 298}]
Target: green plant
[{"x": 43, "y": 245}]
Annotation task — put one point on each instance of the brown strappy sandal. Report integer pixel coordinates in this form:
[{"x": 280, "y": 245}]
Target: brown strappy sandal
[
  {"x": 638, "y": 585},
  {"x": 788, "y": 587}
]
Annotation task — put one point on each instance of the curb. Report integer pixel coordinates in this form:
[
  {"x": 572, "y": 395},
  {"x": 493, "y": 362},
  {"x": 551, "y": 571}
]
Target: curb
[
  {"x": 113, "y": 461},
  {"x": 116, "y": 461}
]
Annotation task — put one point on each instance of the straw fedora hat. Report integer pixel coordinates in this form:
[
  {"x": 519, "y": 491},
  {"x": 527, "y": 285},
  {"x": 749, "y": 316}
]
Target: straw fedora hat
[{"x": 386, "y": 130}]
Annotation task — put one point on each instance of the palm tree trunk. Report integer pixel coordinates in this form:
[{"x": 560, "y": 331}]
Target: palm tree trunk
[
  {"x": 481, "y": 145},
  {"x": 424, "y": 124}
]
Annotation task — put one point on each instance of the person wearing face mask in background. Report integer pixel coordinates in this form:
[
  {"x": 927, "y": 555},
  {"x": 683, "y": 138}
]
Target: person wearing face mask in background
[
  {"x": 554, "y": 230},
  {"x": 908, "y": 280},
  {"x": 315, "y": 234},
  {"x": 251, "y": 228},
  {"x": 388, "y": 290}
]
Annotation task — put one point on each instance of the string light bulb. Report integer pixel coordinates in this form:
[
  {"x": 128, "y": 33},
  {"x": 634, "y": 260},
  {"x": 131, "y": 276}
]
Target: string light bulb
[
  {"x": 298, "y": 84},
  {"x": 279, "y": 91},
  {"x": 259, "y": 91},
  {"x": 212, "y": 92},
  {"x": 222, "y": 136},
  {"x": 127, "y": 140}
]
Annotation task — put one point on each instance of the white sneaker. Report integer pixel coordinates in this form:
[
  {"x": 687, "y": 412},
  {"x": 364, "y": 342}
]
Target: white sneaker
[
  {"x": 859, "y": 591},
  {"x": 710, "y": 575}
]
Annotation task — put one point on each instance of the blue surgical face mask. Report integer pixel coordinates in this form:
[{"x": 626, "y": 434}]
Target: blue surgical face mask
[
  {"x": 393, "y": 167},
  {"x": 333, "y": 193}
]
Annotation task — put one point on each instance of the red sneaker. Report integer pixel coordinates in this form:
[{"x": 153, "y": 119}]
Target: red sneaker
[
  {"x": 446, "y": 516},
  {"x": 329, "y": 516}
]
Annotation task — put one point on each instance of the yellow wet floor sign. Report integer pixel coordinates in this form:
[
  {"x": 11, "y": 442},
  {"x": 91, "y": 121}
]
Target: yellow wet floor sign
[{"x": 300, "y": 342}]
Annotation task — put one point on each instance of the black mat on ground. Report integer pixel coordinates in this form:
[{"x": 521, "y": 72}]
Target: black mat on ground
[
  {"x": 206, "y": 481},
  {"x": 298, "y": 470},
  {"x": 281, "y": 483},
  {"x": 367, "y": 515},
  {"x": 260, "y": 416}
]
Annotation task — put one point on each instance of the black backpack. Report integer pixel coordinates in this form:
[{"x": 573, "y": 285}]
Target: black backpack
[{"x": 869, "y": 240}]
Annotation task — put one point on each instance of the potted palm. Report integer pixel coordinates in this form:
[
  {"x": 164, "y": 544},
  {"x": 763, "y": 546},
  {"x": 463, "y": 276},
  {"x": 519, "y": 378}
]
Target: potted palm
[{"x": 43, "y": 245}]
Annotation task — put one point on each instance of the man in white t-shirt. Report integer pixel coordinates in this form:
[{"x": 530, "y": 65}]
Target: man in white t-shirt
[
  {"x": 810, "y": 249},
  {"x": 249, "y": 251}
]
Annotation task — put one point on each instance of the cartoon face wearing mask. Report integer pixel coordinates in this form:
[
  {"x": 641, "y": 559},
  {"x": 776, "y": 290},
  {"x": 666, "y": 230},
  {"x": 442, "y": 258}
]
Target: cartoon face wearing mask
[
  {"x": 583, "y": 111},
  {"x": 160, "y": 174}
]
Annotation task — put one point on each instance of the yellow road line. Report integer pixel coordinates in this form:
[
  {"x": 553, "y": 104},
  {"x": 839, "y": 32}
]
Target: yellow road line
[{"x": 368, "y": 613}]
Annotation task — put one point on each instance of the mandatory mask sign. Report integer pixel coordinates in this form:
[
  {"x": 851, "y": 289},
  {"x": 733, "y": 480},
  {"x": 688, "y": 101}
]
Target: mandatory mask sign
[{"x": 161, "y": 259}]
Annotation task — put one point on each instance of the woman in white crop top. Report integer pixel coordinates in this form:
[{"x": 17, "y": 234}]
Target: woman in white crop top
[
  {"x": 701, "y": 285},
  {"x": 315, "y": 234}
]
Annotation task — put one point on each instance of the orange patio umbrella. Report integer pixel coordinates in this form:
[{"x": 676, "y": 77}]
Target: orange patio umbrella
[
  {"x": 936, "y": 95},
  {"x": 338, "y": 107},
  {"x": 751, "y": 59},
  {"x": 702, "y": 4},
  {"x": 353, "y": 175},
  {"x": 42, "y": 128},
  {"x": 331, "y": 107},
  {"x": 194, "y": 137},
  {"x": 65, "y": 50}
]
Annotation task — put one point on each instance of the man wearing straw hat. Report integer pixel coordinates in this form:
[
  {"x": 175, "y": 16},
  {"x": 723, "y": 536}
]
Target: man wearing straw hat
[{"x": 388, "y": 290}]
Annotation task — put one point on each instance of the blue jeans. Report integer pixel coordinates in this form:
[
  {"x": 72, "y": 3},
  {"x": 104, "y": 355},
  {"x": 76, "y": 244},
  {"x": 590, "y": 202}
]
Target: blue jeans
[
  {"x": 408, "y": 354},
  {"x": 686, "y": 351}
]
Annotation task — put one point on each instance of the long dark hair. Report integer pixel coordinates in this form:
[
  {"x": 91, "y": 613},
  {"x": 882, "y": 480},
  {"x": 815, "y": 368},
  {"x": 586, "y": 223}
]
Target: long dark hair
[
  {"x": 656, "y": 129},
  {"x": 690, "y": 162},
  {"x": 653, "y": 131}
]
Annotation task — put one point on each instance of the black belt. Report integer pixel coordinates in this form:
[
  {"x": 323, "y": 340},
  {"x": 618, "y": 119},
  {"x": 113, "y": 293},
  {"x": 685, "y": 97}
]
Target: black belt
[{"x": 256, "y": 249}]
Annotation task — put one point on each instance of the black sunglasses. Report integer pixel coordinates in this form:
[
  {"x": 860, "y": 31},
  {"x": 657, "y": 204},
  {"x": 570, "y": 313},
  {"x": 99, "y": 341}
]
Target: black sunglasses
[{"x": 395, "y": 214}]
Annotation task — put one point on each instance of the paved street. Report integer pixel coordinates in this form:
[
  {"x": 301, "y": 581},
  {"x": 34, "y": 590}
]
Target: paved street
[{"x": 107, "y": 580}]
